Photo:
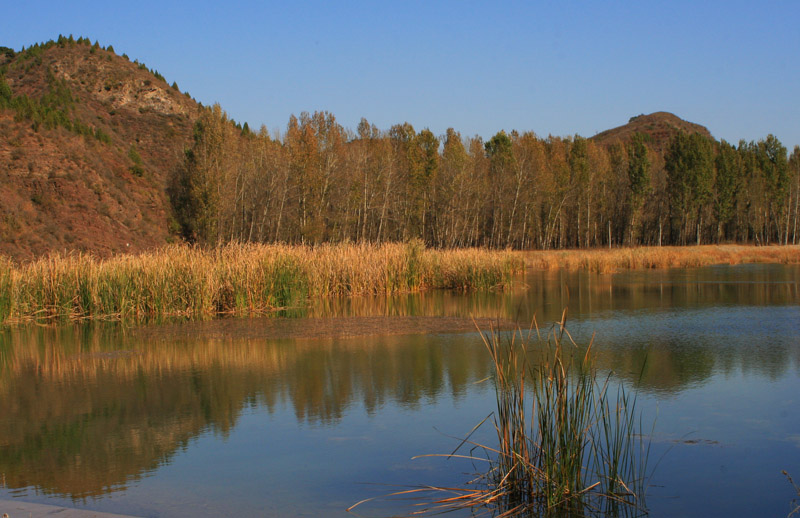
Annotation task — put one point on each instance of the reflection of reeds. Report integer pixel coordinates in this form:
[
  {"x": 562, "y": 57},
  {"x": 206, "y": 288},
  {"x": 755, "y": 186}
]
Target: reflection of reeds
[
  {"x": 579, "y": 452},
  {"x": 605, "y": 261},
  {"x": 240, "y": 279}
]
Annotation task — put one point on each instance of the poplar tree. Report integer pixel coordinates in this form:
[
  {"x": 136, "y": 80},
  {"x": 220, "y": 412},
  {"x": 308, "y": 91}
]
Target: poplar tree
[
  {"x": 579, "y": 177},
  {"x": 729, "y": 174},
  {"x": 455, "y": 191},
  {"x": 794, "y": 181},
  {"x": 422, "y": 181},
  {"x": 774, "y": 166},
  {"x": 638, "y": 178},
  {"x": 689, "y": 166},
  {"x": 501, "y": 161},
  {"x": 197, "y": 187}
]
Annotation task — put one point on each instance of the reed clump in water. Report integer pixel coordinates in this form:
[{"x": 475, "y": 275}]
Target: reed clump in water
[
  {"x": 580, "y": 450},
  {"x": 568, "y": 445},
  {"x": 240, "y": 279}
]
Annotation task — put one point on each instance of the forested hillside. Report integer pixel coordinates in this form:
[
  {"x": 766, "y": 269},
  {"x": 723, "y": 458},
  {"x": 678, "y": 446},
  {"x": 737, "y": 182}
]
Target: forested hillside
[{"x": 98, "y": 153}]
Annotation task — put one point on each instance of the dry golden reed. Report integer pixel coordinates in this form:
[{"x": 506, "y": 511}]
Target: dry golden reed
[
  {"x": 235, "y": 279},
  {"x": 606, "y": 261}
]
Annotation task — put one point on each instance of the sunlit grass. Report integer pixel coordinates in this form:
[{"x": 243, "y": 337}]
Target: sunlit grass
[{"x": 235, "y": 279}]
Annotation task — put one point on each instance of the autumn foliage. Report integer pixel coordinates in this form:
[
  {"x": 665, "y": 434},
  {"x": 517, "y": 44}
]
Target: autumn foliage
[{"x": 321, "y": 182}]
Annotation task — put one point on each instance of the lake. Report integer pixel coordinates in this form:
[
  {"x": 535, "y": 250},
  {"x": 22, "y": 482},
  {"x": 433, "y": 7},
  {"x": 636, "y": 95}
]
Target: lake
[{"x": 305, "y": 416}]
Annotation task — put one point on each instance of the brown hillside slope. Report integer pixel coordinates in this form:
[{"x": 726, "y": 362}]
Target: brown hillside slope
[
  {"x": 103, "y": 192},
  {"x": 660, "y": 126}
]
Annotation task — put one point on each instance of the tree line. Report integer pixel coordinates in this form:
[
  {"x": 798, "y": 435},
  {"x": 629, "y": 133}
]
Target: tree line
[{"x": 320, "y": 182}]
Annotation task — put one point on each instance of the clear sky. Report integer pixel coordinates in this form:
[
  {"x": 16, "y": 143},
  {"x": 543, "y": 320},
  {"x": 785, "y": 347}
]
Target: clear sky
[{"x": 555, "y": 67}]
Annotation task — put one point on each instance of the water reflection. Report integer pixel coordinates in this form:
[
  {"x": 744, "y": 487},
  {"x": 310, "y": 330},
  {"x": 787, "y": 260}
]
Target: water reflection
[
  {"x": 89, "y": 410},
  {"x": 590, "y": 295}
]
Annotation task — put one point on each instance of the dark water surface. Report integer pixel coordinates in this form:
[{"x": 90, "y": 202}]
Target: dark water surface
[{"x": 306, "y": 416}]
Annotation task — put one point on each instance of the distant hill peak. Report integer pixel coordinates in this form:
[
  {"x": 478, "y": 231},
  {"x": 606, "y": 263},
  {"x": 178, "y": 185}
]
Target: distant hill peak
[{"x": 660, "y": 126}]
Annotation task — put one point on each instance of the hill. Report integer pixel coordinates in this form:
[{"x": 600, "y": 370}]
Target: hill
[
  {"x": 660, "y": 126},
  {"x": 87, "y": 139}
]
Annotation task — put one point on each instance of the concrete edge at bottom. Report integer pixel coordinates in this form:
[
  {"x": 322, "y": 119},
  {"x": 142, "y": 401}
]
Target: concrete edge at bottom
[{"x": 17, "y": 509}]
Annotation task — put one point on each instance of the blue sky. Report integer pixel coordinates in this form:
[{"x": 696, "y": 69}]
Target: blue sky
[{"x": 557, "y": 68}]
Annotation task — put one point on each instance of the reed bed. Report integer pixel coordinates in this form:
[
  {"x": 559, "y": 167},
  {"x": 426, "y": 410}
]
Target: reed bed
[
  {"x": 606, "y": 261},
  {"x": 237, "y": 279},
  {"x": 580, "y": 450},
  {"x": 568, "y": 445}
]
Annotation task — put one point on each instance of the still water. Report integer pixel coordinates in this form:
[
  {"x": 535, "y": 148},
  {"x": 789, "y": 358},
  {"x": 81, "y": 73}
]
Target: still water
[{"x": 306, "y": 416}]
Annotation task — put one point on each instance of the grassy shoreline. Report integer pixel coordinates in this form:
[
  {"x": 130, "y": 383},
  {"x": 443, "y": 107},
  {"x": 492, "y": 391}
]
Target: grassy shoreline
[
  {"x": 610, "y": 260},
  {"x": 246, "y": 279},
  {"x": 234, "y": 279}
]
